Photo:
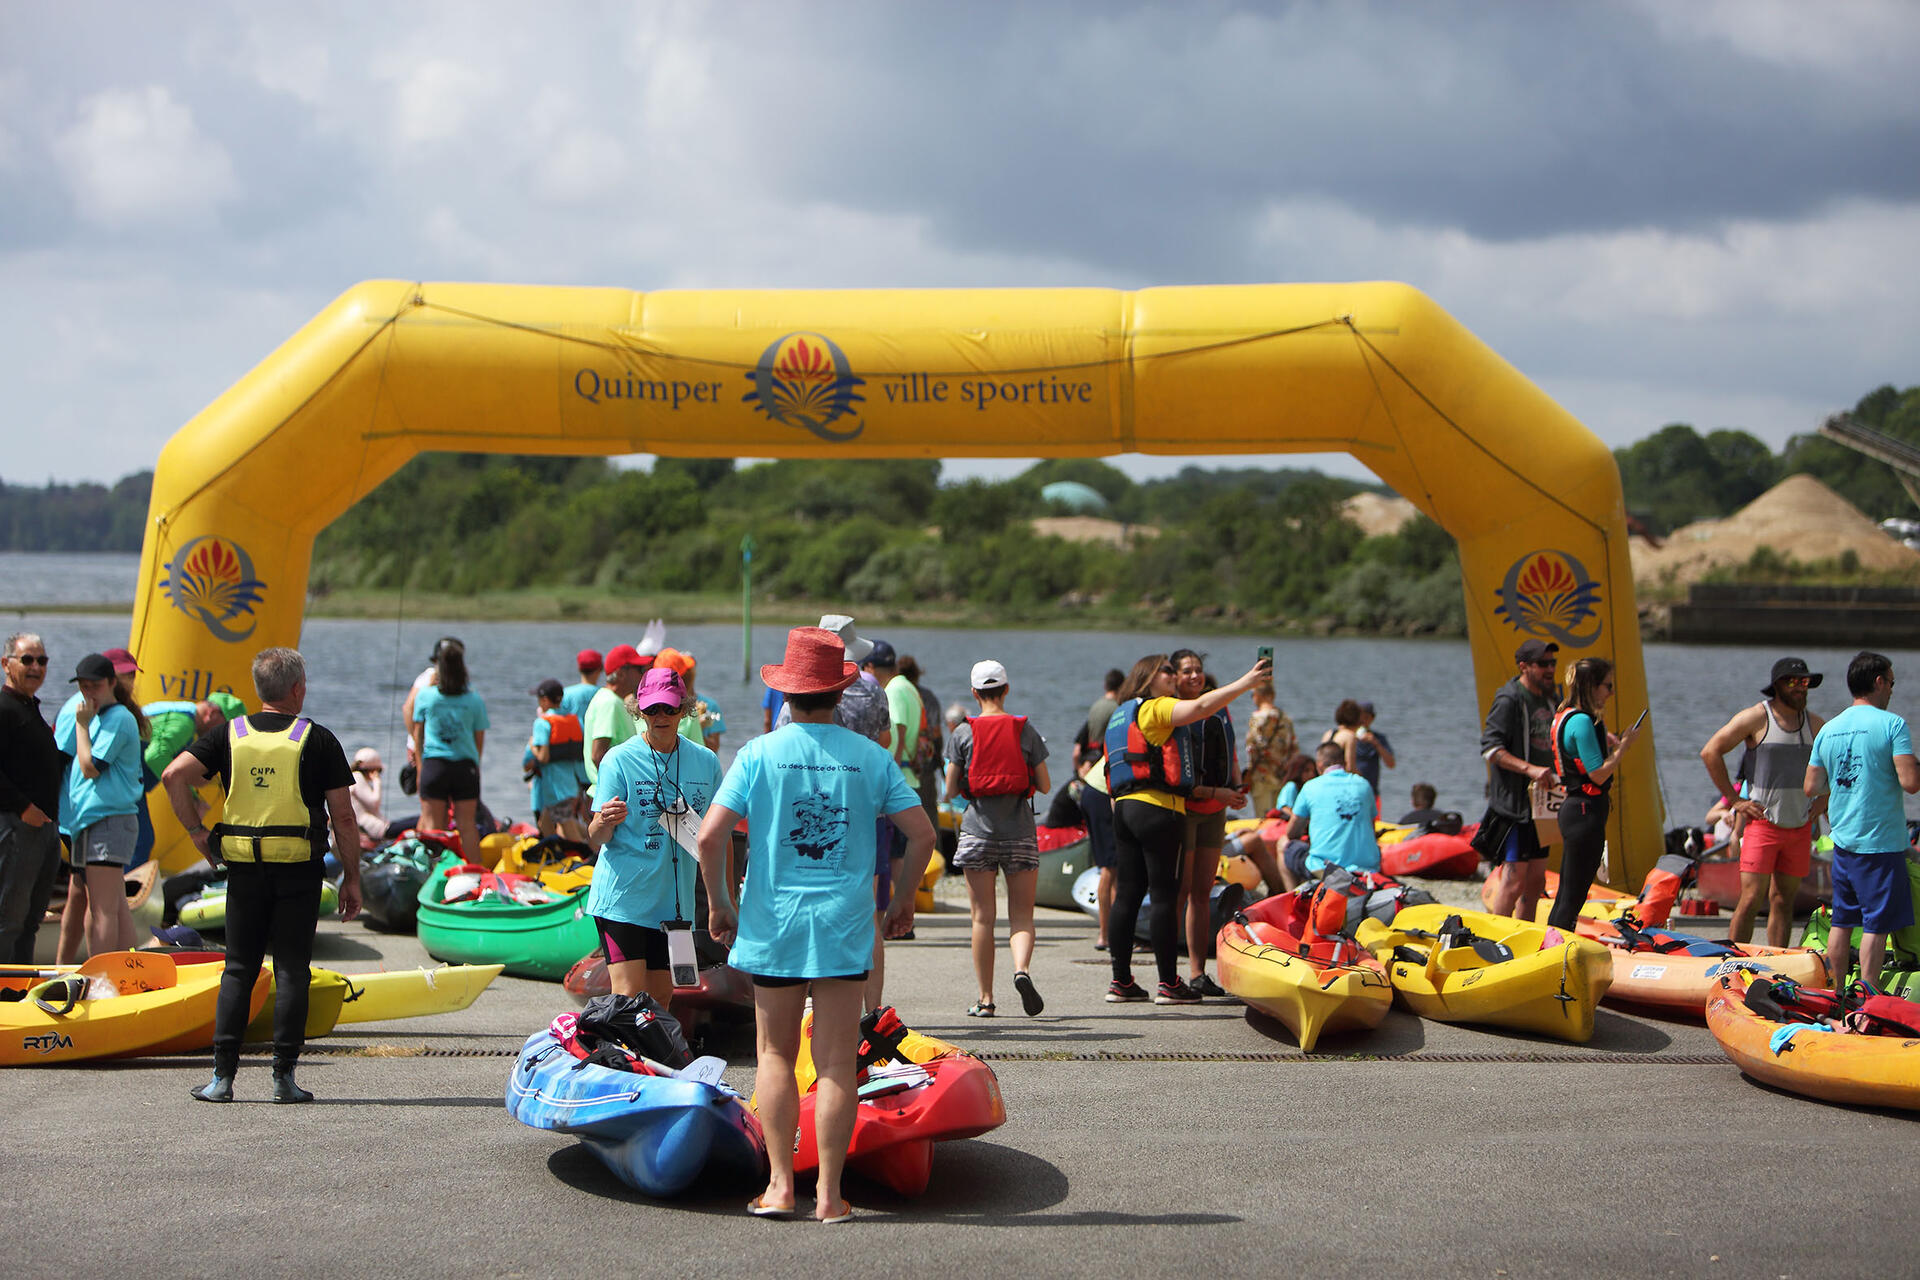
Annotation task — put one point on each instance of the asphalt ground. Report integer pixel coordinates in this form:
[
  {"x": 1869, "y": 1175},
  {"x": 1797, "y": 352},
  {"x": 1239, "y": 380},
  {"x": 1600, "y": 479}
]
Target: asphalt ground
[{"x": 1139, "y": 1141}]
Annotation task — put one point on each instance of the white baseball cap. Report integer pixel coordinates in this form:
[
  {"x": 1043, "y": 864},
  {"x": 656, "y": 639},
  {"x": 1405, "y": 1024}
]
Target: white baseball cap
[
  {"x": 988, "y": 674},
  {"x": 841, "y": 625}
]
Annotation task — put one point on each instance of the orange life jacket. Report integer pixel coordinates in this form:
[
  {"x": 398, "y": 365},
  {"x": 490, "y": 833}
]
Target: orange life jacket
[
  {"x": 565, "y": 741},
  {"x": 1568, "y": 765}
]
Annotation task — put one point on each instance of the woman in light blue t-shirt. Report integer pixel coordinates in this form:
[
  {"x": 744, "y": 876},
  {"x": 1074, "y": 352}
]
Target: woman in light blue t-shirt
[
  {"x": 99, "y": 810},
  {"x": 449, "y": 733}
]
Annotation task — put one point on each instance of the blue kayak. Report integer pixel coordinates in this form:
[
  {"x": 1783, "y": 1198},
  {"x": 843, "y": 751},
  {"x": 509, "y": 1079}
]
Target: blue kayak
[{"x": 659, "y": 1134}]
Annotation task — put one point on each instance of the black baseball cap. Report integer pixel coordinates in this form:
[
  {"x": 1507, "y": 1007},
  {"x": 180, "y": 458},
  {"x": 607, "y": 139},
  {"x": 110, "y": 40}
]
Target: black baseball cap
[
  {"x": 1792, "y": 667},
  {"x": 548, "y": 688},
  {"x": 95, "y": 666},
  {"x": 1535, "y": 651}
]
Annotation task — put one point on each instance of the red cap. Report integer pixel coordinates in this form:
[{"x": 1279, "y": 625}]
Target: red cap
[
  {"x": 624, "y": 655},
  {"x": 123, "y": 663},
  {"x": 588, "y": 660},
  {"x": 674, "y": 661}
]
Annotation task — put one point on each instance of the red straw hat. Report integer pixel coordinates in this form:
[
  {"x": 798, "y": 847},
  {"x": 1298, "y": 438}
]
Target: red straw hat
[{"x": 816, "y": 663}]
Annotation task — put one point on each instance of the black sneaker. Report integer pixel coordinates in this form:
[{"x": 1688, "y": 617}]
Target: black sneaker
[
  {"x": 1129, "y": 992},
  {"x": 1029, "y": 994},
  {"x": 1176, "y": 992},
  {"x": 1205, "y": 986}
]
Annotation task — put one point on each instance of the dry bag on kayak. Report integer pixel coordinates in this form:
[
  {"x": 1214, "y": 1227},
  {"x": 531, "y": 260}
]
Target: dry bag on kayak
[{"x": 636, "y": 1024}]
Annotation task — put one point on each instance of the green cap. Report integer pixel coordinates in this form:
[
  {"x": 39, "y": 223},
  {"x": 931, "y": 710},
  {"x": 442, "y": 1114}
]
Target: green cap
[{"x": 230, "y": 707}]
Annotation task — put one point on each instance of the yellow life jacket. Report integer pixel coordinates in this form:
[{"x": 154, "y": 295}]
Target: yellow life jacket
[{"x": 265, "y": 819}]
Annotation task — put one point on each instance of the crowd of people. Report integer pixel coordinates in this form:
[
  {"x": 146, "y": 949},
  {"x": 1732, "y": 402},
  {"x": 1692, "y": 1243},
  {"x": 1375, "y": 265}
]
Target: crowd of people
[{"x": 840, "y": 799}]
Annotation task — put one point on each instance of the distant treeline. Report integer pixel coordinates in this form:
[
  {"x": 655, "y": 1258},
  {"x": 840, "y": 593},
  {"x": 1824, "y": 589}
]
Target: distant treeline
[
  {"x": 1234, "y": 545},
  {"x": 75, "y": 517}
]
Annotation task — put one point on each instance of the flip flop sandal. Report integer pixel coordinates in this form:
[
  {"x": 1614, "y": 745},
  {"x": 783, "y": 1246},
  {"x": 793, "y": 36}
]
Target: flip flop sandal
[
  {"x": 1029, "y": 994},
  {"x": 981, "y": 1009},
  {"x": 761, "y": 1209},
  {"x": 845, "y": 1215}
]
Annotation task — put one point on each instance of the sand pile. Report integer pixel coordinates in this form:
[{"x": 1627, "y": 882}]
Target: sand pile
[
  {"x": 1376, "y": 514},
  {"x": 1800, "y": 518},
  {"x": 1092, "y": 529}
]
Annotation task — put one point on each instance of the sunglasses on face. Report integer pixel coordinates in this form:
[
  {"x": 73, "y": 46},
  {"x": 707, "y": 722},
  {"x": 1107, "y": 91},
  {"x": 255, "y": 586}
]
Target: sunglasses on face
[
  {"x": 31, "y": 659},
  {"x": 660, "y": 711},
  {"x": 1796, "y": 682},
  {"x": 1168, "y": 670},
  {"x": 1548, "y": 665}
]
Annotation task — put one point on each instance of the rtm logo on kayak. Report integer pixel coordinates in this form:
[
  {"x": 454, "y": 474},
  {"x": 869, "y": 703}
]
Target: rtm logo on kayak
[
  {"x": 1550, "y": 594},
  {"x": 51, "y": 1042}
]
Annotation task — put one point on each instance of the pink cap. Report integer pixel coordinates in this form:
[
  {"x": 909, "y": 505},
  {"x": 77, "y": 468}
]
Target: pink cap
[
  {"x": 123, "y": 663},
  {"x": 660, "y": 688}
]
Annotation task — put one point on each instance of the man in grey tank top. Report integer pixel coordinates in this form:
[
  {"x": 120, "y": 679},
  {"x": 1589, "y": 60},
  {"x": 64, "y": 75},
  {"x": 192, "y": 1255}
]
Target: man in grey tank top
[{"x": 1776, "y": 846}]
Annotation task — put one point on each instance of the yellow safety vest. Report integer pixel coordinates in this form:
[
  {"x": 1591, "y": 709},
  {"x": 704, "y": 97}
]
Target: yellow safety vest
[{"x": 265, "y": 819}]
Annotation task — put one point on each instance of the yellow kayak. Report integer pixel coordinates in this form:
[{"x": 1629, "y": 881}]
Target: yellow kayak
[
  {"x": 414, "y": 993},
  {"x": 1326, "y": 985},
  {"x": 78, "y": 1017},
  {"x": 1508, "y": 974}
]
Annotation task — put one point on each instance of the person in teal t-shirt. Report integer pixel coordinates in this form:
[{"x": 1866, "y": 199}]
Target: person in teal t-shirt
[
  {"x": 1334, "y": 812},
  {"x": 812, "y": 793},
  {"x": 1863, "y": 763},
  {"x": 449, "y": 733},
  {"x": 645, "y": 874},
  {"x": 99, "y": 810}
]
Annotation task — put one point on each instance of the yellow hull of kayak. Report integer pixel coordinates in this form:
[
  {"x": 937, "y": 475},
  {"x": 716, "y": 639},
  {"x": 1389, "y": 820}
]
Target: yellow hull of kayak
[
  {"x": 116, "y": 1026},
  {"x": 414, "y": 993},
  {"x": 1309, "y": 1000},
  {"x": 1550, "y": 988}
]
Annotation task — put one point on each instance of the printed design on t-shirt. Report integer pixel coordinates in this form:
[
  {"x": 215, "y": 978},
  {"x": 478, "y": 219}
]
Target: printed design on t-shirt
[
  {"x": 819, "y": 829},
  {"x": 1846, "y": 768},
  {"x": 1347, "y": 814}
]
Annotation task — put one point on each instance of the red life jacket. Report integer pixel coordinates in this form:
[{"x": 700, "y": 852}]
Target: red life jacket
[
  {"x": 1568, "y": 765},
  {"x": 1134, "y": 764},
  {"x": 565, "y": 741},
  {"x": 996, "y": 766}
]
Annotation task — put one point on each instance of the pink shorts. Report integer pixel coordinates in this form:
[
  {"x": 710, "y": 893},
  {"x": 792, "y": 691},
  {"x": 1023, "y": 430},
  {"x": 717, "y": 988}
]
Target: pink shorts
[{"x": 1767, "y": 850}]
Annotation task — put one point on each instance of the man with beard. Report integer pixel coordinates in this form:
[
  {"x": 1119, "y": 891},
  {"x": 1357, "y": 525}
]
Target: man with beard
[{"x": 1778, "y": 840}]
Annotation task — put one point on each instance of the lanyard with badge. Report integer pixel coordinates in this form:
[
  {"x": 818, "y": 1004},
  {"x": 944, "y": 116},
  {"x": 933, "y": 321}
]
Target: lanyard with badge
[{"x": 682, "y": 826}]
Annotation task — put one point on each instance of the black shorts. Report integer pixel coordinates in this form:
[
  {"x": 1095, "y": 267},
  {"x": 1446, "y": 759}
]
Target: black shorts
[
  {"x": 760, "y": 981},
  {"x": 625, "y": 942},
  {"x": 449, "y": 779}
]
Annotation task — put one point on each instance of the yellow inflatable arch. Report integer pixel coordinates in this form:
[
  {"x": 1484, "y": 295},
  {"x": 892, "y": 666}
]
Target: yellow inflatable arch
[{"x": 392, "y": 368}]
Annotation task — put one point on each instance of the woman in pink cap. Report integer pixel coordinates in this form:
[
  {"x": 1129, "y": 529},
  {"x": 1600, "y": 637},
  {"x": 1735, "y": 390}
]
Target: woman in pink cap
[
  {"x": 812, "y": 793},
  {"x": 647, "y": 802}
]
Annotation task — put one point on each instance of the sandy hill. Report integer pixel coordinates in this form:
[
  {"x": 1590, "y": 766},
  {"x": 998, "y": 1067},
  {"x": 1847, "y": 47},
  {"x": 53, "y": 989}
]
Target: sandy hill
[
  {"x": 1800, "y": 518},
  {"x": 1092, "y": 529},
  {"x": 1377, "y": 514}
]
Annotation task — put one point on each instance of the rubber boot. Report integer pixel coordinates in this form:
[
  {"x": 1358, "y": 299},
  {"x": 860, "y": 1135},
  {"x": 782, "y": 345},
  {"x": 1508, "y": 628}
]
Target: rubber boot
[
  {"x": 285, "y": 1090},
  {"x": 218, "y": 1089}
]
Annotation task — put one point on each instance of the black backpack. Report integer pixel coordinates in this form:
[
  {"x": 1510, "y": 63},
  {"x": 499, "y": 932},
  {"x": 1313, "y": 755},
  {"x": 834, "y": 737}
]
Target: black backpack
[{"x": 634, "y": 1023}]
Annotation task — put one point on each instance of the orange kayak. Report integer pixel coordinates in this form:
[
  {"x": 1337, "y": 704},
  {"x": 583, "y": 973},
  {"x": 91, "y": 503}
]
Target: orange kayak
[
  {"x": 1677, "y": 983},
  {"x": 1875, "y": 1071}
]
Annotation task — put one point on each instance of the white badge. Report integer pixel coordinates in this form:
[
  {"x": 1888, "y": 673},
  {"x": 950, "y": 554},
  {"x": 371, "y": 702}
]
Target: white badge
[{"x": 683, "y": 829}]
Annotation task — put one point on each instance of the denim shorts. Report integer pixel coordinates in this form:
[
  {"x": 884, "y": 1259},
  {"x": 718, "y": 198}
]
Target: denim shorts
[{"x": 107, "y": 843}]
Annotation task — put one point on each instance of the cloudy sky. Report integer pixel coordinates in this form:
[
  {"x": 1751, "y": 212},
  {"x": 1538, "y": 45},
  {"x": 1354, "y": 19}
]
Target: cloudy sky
[{"x": 1676, "y": 210}]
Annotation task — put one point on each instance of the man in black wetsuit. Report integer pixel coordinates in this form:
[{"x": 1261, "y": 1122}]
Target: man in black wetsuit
[{"x": 293, "y": 783}]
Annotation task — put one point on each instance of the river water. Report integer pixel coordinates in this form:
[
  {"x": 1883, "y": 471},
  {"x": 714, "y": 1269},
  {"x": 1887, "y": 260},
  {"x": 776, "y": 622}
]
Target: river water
[{"x": 359, "y": 671}]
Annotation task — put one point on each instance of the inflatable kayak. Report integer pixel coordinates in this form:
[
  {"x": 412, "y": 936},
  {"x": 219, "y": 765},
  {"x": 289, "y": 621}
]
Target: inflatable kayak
[
  {"x": 116, "y": 1005},
  {"x": 1326, "y": 985},
  {"x": 1465, "y": 966},
  {"x": 538, "y": 938},
  {"x": 723, "y": 990},
  {"x": 658, "y": 1133},
  {"x": 413, "y": 993},
  {"x": 1065, "y": 852},
  {"x": 1674, "y": 973},
  {"x": 208, "y": 912},
  {"x": 1767, "y": 1028},
  {"x": 914, "y": 1091}
]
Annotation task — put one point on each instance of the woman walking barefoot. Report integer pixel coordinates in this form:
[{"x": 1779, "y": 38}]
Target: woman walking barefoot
[{"x": 997, "y": 761}]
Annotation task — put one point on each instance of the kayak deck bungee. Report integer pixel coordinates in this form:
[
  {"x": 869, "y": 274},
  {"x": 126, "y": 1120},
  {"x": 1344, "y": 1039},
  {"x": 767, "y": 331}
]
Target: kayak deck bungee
[
  {"x": 541, "y": 940},
  {"x": 156, "y": 1005},
  {"x": 1677, "y": 981},
  {"x": 1865, "y": 1070},
  {"x": 1511, "y": 974},
  {"x": 658, "y": 1134},
  {"x": 1312, "y": 987},
  {"x": 915, "y": 1091}
]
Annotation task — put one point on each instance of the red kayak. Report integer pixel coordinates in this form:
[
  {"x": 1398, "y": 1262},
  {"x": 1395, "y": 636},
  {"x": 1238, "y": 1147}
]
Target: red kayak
[
  {"x": 914, "y": 1091},
  {"x": 1435, "y": 855}
]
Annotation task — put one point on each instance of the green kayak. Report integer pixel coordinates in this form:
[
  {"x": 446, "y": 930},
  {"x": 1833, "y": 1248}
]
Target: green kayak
[
  {"x": 1059, "y": 868},
  {"x": 1900, "y": 976},
  {"x": 540, "y": 941},
  {"x": 209, "y": 910}
]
